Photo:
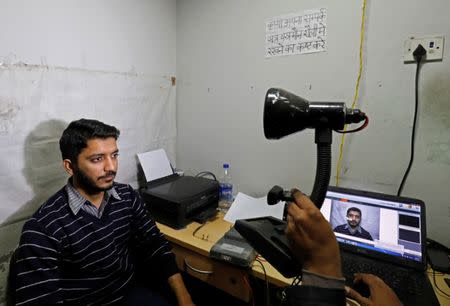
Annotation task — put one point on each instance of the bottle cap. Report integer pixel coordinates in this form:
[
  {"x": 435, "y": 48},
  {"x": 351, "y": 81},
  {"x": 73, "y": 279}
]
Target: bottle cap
[{"x": 226, "y": 166}]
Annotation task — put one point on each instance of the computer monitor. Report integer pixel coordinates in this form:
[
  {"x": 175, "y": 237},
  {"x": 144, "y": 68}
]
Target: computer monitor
[{"x": 388, "y": 224}]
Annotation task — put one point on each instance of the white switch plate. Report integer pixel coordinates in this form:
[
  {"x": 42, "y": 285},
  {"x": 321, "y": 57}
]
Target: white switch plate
[{"x": 433, "y": 44}]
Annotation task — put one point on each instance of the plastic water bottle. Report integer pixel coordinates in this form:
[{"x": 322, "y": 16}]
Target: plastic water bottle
[{"x": 226, "y": 189}]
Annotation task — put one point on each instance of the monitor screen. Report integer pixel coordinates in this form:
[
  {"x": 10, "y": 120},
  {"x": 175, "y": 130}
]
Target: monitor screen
[{"x": 384, "y": 226}]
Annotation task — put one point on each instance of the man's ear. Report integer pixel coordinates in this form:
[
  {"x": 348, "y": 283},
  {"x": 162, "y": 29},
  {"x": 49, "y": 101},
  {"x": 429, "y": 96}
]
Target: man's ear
[{"x": 68, "y": 166}]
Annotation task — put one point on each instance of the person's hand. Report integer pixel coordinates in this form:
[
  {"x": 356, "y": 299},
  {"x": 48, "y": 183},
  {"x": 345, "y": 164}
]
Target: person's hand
[
  {"x": 380, "y": 293},
  {"x": 186, "y": 303},
  {"x": 185, "y": 300},
  {"x": 311, "y": 237},
  {"x": 181, "y": 293}
]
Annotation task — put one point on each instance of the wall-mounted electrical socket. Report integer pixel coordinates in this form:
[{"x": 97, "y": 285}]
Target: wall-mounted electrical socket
[{"x": 433, "y": 44}]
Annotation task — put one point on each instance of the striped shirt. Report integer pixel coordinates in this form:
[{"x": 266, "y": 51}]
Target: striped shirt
[
  {"x": 77, "y": 201},
  {"x": 80, "y": 259}
]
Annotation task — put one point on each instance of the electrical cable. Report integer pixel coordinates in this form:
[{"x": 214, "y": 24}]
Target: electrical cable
[
  {"x": 434, "y": 244},
  {"x": 259, "y": 257},
  {"x": 267, "y": 293},
  {"x": 355, "y": 97},
  {"x": 435, "y": 284},
  {"x": 247, "y": 283},
  {"x": 204, "y": 173},
  {"x": 362, "y": 127},
  {"x": 437, "y": 273},
  {"x": 418, "y": 54},
  {"x": 197, "y": 229},
  {"x": 296, "y": 280}
]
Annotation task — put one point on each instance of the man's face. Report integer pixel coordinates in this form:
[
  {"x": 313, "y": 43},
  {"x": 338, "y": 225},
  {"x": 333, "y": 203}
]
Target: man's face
[
  {"x": 353, "y": 218},
  {"x": 96, "y": 165}
]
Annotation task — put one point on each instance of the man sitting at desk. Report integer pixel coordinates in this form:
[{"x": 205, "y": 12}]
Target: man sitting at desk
[
  {"x": 83, "y": 246},
  {"x": 353, "y": 226}
]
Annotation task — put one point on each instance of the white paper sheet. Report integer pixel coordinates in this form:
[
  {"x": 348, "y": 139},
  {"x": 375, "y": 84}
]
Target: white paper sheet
[
  {"x": 245, "y": 206},
  {"x": 155, "y": 164}
]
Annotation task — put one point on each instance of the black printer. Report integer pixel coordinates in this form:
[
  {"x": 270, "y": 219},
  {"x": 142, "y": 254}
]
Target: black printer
[{"x": 177, "y": 200}]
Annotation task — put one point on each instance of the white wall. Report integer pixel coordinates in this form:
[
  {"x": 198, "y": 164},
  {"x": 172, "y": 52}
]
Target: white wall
[
  {"x": 223, "y": 77},
  {"x": 108, "y": 35},
  {"x": 62, "y": 60}
]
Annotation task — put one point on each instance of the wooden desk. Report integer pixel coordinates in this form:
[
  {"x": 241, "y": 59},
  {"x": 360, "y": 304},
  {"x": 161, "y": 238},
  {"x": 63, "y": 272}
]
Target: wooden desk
[
  {"x": 193, "y": 243},
  {"x": 440, "y": 282}
]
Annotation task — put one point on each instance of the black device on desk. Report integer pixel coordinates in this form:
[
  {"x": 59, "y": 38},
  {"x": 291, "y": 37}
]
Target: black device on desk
[
  {"x": 438, "y": 256},
  {"x": 267, "y": 235},
  {"x": 233, "y": 248},
  {"x": 178, "y": 200}
]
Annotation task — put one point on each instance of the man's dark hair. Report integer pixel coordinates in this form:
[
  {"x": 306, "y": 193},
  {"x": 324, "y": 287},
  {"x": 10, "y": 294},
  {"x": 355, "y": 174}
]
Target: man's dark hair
[
  {"x": 355, "y": 209},
  {"x": 75, "y": 137}
]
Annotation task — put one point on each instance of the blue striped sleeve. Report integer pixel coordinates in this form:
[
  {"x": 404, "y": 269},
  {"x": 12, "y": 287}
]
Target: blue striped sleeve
[
  {"x": 156, "y": 251},
  {"x": 37, "y": 267}
]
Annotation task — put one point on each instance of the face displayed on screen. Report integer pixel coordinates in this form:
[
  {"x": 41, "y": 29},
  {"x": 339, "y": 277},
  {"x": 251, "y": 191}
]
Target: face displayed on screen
[{"x": 353, "y": 218}]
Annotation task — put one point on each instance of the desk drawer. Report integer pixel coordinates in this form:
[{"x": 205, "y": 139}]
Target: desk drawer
[{"x": 220, "y": 275}]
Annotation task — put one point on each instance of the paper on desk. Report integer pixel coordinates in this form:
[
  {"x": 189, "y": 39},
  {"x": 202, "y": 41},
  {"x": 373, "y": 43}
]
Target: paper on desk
[
  {"x": 155, "y": 164},
  {"x": 245, "y": 207}
]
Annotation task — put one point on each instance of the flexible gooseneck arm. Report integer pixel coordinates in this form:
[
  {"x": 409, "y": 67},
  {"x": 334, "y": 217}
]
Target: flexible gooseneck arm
[{"x": 323, "y": 140}]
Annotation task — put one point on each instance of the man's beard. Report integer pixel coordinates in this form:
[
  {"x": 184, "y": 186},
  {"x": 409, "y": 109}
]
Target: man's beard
[
  {"x": 87, "y": 184},
  {"x": 353, "y": 224}
]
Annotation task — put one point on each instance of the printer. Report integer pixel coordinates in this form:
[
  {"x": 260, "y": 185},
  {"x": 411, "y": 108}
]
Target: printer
[{"x": 177, "y": 200}]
